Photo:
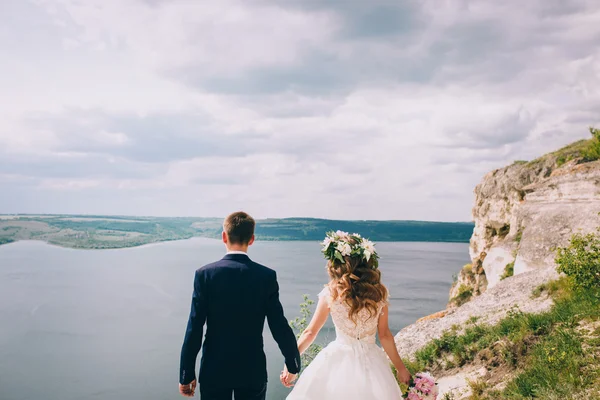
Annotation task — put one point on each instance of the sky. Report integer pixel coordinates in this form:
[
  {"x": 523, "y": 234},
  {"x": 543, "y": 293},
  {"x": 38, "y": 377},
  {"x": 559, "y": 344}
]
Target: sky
[{"x": 330, "y": 109}]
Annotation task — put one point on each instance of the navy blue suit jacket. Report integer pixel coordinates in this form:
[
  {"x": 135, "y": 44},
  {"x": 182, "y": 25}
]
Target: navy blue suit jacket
[{"x": 233, "y": 297}]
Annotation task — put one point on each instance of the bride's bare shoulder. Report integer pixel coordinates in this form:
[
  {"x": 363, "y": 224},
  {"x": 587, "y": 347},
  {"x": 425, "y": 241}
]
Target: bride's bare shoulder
[{"x": 326, "y": 292}]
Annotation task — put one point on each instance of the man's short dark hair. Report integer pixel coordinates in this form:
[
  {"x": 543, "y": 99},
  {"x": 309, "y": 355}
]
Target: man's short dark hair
[{"x": 239, "y": 227}]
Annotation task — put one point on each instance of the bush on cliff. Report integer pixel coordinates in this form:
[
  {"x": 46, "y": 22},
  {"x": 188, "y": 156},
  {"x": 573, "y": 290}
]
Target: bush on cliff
[
  {"x": 509, "y": 271},
  {"x": 592, "y": 152},
  {"x": 583, "y": 150},
  {"x": 464, "y": 294},
  {"x": 580, "y": 261}
]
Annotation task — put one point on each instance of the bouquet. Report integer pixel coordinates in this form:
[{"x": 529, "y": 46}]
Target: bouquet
[{"x": 422, "y": 387}]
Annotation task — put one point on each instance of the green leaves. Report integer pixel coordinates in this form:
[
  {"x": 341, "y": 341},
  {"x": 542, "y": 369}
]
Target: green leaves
[
  {"x": 581, "y": 260},
  {"x": 338, "y": 256},
  {"x": 299, "y": 325},
  {"x": 509, "y": 270},
  {"x": 592, "y": 152}
]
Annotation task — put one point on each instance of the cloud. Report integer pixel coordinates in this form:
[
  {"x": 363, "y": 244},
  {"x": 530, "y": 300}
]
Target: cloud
[
  {"x": 147, "y": 138},
  {"x": 322, "y": 108}
]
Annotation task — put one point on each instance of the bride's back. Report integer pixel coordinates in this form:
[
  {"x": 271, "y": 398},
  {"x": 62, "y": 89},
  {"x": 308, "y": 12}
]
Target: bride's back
[
  {"x": 353, "y": 366},
  {"x": 361, "y": 326}
]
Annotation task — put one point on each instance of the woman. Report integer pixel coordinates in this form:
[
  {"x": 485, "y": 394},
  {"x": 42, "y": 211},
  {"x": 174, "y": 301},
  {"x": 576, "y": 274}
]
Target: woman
[{"x": 353, "y": 367}]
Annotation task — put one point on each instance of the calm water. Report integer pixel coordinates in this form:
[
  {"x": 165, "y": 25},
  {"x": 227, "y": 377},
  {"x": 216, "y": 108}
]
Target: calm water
[{"x": 108, "y": 325}]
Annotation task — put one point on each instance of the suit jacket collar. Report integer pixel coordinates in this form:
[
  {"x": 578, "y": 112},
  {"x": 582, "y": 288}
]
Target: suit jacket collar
[{"x": 236, "y": 257}]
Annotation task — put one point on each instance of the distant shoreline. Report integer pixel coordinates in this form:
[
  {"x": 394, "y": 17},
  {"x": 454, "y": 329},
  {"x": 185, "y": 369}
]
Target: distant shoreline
[
  {"x": 108, "y": 232},
  {"x": 137, "y": 246}
]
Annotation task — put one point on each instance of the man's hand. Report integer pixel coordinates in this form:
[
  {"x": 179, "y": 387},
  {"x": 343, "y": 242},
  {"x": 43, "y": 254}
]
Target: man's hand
[
  {"x": 188, "y": 390},
  {"x": 286, "y": 378}
]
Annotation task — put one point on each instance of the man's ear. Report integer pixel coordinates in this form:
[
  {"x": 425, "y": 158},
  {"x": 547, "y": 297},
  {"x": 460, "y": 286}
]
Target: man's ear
[
  {"x": 224, "y": 237},
  {"x": 251, "y": 241}
]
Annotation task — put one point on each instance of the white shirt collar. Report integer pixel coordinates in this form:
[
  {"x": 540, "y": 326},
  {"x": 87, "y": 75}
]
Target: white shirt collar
[{"x": 237, "y": 252}]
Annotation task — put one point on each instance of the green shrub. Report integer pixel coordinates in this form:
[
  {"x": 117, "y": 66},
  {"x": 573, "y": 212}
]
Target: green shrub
[
  {"x": 299, "y": 325},
  {"x": 468, "y": 269},
  {"x": 580, "y": 261},
  {"x": 464, "y": 294},
  {"x": 592, "y": 151},
  {"x": 509, "y": 271}
]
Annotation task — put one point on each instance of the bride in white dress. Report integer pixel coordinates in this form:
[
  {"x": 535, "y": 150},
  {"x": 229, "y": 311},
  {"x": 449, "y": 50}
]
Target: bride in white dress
[{"x": 353, "y": 367}]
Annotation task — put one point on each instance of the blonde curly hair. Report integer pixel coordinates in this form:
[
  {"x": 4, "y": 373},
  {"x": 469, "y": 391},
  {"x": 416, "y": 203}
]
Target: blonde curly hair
[{"x": 357, "y": 282}]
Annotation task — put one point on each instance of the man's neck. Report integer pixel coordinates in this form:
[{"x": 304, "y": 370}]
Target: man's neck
[{"x": 237, "y": 249}]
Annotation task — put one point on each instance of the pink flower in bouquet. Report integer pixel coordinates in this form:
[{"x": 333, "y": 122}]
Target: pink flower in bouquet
[
  {"x": 423, "y": 388},
  {"x": 413, "y": 395}
]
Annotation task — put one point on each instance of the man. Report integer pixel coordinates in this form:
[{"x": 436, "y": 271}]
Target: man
[{"x": 233, "y": 297}]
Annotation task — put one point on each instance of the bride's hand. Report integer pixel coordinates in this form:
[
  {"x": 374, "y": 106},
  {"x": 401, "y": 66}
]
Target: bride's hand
[
  {"x": 286, "y": 378},
  {"x": 404, "y": 376}
]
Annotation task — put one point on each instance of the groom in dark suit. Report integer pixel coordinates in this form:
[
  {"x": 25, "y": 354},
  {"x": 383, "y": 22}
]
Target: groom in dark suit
[{"x": 233, "y": 297}]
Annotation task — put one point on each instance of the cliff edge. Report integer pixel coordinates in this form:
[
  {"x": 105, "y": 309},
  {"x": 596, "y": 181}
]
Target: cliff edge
[
  {"x": 522, "y": 214},
  {"x": 524, "y": 211}
]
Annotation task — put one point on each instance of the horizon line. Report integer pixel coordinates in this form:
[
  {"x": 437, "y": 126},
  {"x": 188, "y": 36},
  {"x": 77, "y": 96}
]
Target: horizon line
[{"x": 258, "y": 219}]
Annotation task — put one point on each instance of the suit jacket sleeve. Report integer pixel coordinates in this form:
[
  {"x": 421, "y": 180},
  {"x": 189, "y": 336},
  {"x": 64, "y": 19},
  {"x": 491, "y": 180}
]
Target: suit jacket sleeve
[
  {"x": 193, "y": 335},
  {"x": 281, "y": 330}
]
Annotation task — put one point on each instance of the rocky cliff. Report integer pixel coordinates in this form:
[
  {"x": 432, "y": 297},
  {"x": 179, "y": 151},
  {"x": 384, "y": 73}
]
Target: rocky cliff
[{"x": 524, "y": 211}]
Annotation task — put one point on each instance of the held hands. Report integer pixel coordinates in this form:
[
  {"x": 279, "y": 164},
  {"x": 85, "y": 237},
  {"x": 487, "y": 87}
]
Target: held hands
[
  {"x": 188, "y": 390},
  {"x": 286, "y": 378}
]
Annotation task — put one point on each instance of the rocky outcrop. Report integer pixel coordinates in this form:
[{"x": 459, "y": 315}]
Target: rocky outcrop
[
  {"x": 524, "y": 211},
  {"x": 470, "y": 281},
  {"x": 488, "y": 308}
]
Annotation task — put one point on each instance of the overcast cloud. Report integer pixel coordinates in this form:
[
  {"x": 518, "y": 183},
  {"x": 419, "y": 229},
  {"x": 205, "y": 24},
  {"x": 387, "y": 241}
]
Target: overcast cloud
[{"x": 336, "y": 109}]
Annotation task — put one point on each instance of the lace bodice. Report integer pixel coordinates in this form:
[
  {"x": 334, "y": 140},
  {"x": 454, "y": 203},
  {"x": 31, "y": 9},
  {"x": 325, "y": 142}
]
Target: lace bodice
[{"x": 365, "y": 327}]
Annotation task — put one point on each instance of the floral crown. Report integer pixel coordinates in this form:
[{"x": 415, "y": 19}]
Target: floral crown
[{"x": 338, "y": 245}]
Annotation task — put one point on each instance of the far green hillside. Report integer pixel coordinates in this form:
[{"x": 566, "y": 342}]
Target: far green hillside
[{"x": 100, "y": 232}]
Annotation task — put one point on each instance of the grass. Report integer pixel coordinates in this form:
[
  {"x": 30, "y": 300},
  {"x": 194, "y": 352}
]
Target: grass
[
  {"x": 464, "y": 295},
  {"x": 468, "y": 269},
  {"x": 465, "y": 292},
  {"x": 509, "y": 271},
  {"x": 582, "y": 150},
  {"x": 553, "y": 368},
  {"x": 545, "y": 349},
  {"x": 519, "y": 235},
  {"x": 478, "y": 388},
  {"x": 551, "y": 288}
]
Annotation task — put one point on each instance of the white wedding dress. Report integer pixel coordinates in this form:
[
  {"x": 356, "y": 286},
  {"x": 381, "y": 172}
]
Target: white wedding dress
[{"x": 353, "y": 366}]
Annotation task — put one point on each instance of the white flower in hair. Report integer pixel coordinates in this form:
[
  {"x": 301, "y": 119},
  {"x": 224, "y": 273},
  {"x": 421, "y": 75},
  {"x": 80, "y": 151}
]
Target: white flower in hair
[
  {"x": 344, "y": 248},
  {"x": 327, "y": 242},
  {"x": 342, "y": 235},
  {"x": 368, "y": 245},
  {"x": 369, "y": 248}
]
